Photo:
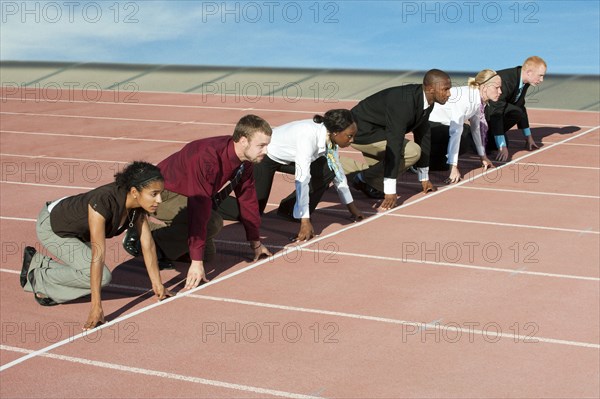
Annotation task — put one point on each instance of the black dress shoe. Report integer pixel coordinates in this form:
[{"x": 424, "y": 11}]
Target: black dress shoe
[
  {"x": 44, "y": 301},
  {"x": 28, "y": 253},
  {"x": 369, "y": 191},
  {"x": 287, "y": 215},
  {"x": 131, "y": 243}
]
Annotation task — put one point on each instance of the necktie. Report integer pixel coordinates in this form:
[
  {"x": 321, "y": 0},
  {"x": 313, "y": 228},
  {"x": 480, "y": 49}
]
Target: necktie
[
  {"x": 519, "y": 92},
  {"x": 228, "y": 187},
  {"x": 483, "y": 126},
  {"x": 332, "y": 161}
]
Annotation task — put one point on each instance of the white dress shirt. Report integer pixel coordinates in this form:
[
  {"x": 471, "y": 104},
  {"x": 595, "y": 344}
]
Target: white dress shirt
[
  {"x": 302, "y": 142},
  {"x": 464, "y": 103}
]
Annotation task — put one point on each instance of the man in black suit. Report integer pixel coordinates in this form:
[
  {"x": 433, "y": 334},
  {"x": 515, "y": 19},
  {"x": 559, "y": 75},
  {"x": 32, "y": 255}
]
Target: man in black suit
[
  {"x": 510, "y": 107},
  {"x": 383, "y": 119}
]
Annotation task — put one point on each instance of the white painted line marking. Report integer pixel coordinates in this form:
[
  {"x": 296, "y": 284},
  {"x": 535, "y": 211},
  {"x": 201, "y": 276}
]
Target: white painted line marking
[
  {"x": 432, "y": 263},
  {"x": 531, "y": 192},
  {"x": 162, "y": 374},
  {"x": 43, "y": 157},
  {"x": 118, "y": 119},
  {"x": 92, "y": 137},
  {"x": 433, "y": 325}
]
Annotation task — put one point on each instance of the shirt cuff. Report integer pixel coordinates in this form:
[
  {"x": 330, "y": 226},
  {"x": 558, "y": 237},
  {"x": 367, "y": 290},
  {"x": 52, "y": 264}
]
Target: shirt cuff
[
  {"x": 389, "y": 185},
  {"x": 527, "y": 132},
  {"x": 500, "y": 141},
  {"x": 345, "y": 195},
  {"x": 423, "y": 173}
]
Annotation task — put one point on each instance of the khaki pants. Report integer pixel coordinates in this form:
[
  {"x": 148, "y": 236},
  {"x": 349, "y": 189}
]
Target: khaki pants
[
  {"x": 64, "y": 281},
  {"x": 374, "y": 155},
  {"x": 172, "y": 236}
]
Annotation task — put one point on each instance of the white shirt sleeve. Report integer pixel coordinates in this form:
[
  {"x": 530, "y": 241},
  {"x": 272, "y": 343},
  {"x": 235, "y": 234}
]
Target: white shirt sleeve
[
  {"x": 306, "y": 145},
  {"x": 475, "y": 131},
  {"x": 389, "y": 185},
  {"x": 455, "y": 130},
  {"x": 342, "y": 185}
]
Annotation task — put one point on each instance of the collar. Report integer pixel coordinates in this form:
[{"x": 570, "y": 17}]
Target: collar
[
  {"x": 425, "y": 103},
  {"x": 231, "y": 155}
]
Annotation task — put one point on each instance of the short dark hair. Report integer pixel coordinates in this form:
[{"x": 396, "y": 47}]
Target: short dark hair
[
  {"x": 434, "y": 76},
  {"x": 248, "y": 125},
  {"x": 138, "y": 174},
  {"x": 335, "y": 120}
]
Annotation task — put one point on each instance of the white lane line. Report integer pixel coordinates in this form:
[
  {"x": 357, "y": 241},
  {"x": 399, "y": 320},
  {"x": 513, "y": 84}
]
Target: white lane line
[
  {"x": 205, "y": 123},
  {"x": 417, "y": 324},
  {"x": 119, "y": 119},
  {"x": 428, "y": 326},
  {"x": 209, "y": 107},
  {"x": 534, "y": 164},
  {"x": 333, "y": 252},
  {"x": 18, "y": 219},
  {"x": 44, "y": 157},
  {"x": 162, "y": 374},
  {"x": 261, "y": 262},
  {"x": 531, "y": 192},
  {"x": 45, "y": 185},
  {"x": 84, "y": 136},
  {"x": 140, "y": 104},
  {"x": 400, "y": 183},
  {"x": 557, "y": 166},
  {"x": 326, "y": 209},
  {"x": 512, "y": 225}
]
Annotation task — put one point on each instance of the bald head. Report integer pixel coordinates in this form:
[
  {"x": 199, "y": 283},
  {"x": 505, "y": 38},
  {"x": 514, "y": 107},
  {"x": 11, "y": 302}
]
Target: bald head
[
  {"x": 434, "y": 76},
  {"x": 436, "y": 86}
]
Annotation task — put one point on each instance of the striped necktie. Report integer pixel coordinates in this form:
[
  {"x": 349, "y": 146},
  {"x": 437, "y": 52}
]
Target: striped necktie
[
  {"x": 519, "y": 93},
  {"x": 483, "y": 126},
  {"x": 228, "y": 187}
]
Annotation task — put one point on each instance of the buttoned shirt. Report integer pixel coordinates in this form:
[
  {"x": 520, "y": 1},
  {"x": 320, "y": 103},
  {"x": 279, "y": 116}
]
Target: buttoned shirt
[
  {"x": 198, "y": 171},
  {"x": 302, "y": 142},
  {"x": 463, "y": 104}
]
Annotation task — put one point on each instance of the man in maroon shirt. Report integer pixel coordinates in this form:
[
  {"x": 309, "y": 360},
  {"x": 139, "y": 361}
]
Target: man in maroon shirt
[{"x": 195, "y": 177}]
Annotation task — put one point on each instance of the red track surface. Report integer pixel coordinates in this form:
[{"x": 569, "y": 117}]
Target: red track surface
[{"x": 489, "y": 288}]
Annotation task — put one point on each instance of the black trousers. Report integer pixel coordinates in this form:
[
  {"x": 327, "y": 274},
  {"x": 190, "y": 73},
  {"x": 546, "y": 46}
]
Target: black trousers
[
  {"x": 513, "y": 115},
  {"x": 320, "y": 178},
  {"x": 440, "y": 137}
]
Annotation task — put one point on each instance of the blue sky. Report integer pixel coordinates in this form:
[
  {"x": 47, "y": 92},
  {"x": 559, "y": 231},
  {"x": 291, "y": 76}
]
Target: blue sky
[{"x": 465, "y": 35}]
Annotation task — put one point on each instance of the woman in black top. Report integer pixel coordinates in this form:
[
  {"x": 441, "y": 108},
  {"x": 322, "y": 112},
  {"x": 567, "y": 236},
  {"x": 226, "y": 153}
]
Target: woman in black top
[{"x": 74, "y": 229}]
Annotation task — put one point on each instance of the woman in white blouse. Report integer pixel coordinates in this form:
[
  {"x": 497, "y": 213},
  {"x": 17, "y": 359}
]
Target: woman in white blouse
[
  {"x": 308, "y": 150},
  {"x": 447, "y": 121}
]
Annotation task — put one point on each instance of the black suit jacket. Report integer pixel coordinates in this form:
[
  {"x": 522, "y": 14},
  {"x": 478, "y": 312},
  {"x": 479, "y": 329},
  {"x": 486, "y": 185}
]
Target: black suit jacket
[
  {"x": 496, "y": 109},
  {"x": 389, "y": 115}
]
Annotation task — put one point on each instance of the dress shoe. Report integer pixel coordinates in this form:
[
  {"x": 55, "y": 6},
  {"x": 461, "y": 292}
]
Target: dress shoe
[
  {"x": 131, "y": 243},
  {"x": 369, "y": 191},
  {"x": 40, "y": 298},
  {"x": 287, "y": 215},
  {"x": 28, "y": 253}
]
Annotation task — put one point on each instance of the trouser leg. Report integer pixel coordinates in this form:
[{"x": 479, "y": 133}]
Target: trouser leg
[
  {"x": 64, "y": 281},
  {"x": 320, "y": 178},
  {"x": 374, "y": 154},
  {"x": 172, "y": 237}
]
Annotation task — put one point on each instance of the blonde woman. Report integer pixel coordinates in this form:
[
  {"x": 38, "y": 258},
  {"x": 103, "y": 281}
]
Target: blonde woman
[{"x": 450, "y": 134}]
